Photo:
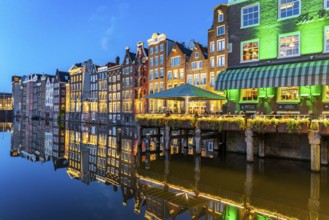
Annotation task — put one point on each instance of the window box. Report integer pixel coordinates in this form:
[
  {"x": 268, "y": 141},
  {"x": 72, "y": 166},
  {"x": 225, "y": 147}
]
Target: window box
[
  {"x": 295, "y": 126},
  {"x": 263, "y": 125}
]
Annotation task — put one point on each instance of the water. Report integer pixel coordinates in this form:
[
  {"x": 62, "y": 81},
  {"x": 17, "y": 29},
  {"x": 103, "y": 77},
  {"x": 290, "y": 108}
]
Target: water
[{"x": 86, "y": 172}]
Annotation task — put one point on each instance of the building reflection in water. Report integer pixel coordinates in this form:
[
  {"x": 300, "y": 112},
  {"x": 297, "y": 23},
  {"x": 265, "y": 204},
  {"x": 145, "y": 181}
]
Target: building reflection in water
[{"x": 169, "y": 184}]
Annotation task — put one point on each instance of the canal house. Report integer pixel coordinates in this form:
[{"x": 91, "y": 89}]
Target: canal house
[{"x": 278, "y": 57}]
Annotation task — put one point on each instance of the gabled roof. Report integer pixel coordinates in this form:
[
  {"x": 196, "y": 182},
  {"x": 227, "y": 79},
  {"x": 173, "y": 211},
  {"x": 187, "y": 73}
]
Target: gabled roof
[
  {"x": 63, "y": 76},
  {"x": 132, "y": 56},
  {"x": 185, "y": 50},
  {"x": 204, "y": 50}
]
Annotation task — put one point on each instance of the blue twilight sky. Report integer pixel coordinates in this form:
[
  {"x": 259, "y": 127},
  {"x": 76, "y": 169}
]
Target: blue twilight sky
[{"x": 39, "y": 36}]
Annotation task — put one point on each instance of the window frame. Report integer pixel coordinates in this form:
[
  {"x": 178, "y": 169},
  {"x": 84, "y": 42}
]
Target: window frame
[
  {"x": 222, "y": 44},
  {"x": 293, "y": 16},
  {"x": 220, "y": 15},
  {"x": 220, "y": 57},
  {"x": 218, "y": 27},
  {"x": 280, "y": 100},
  {"x": 173, "y": 58},
  {"x": 286, "y": 35},
  {"x": 212, "y": 46},
  {"x": 241, "y": 50},
  {"x": 249, "y": 6}
]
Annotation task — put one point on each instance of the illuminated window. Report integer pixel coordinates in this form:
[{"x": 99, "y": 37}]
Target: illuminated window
[
  {"x": 196, "y": 79},
  {"x": 326, "y": 39},
  {"x": 169, "y": 75},
  {"x": 220, "y": 16},
  {"x": 203, "y": 79},
  {"x": 250, "y": 16},
  {"x": 250, "y": 51},
  {"x": 161, "y": 86},
  {"x": 289, "y": 8},
  {"x": 212, "y": 62},
  {"x": 212, "y": 47},
  {"x": 181, "y": 73},
  {"x": 221, "y": 60},
  {"x": 212, "y": 79},
  {"x": 249, "y": 94},
  {"x": 189, "y": 79},
  {"x": 221, "y": 45},
  {"x": 289, "y": 45},
  {"x": 175, "y": 61},
  {"x": 175, "y": 74},
  {"x": 289, "y": 93},
  {"x": 220, "y": 30}
]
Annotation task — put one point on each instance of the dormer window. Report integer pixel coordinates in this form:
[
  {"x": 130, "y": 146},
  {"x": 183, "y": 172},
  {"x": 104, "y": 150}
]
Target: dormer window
[{"x": 220, "y": 16}]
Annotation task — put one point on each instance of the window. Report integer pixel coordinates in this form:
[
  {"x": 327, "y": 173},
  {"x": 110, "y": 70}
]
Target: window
[
  {"x": 161, "y": 73},
  {"x": 196, "y": 54},
  {"x": 212, "y": 47},
  {"x": 151, "y": 75},
  {"x": 169, "y": 75},
  {"x": 161, "y": 59},
  {"x": 212, "y": 79},
  {"x": 151, "y": 89},
  {"x": 203, "y": 78},
  {"x": 189, "y": 79},
  {"x": 249, "y": 94},
  {"x": 289, "y": 45},
  {"x": 220, "y": 16},
  {"x": 181, "y": 73},
  {"x": 161, "y": 47},
  {"x": 175, "y": 74},
  {"x": 221, "y": 60},
  {"x": 156, "y": 49},
  {"x": 156, "y": 88},
  {"x": 175, "y": 61},
  {"x": 326, "y": 93},
  {"x": 212, "y": 62},
  {"x": 151, "y": 62},
  {"x": 156, "y": 61},
  {"x": 196, "y": 79},
  {"x": 289, "y": 93},
  {"x": 221, "y": 45},
  {"x": 196, "y": 65},
  {"x": 289, "y": 8},
  {"x": 151, "y": 50},
  {"x": 156, "y": 73},
  {"x": 250, "y": 16},
  {"x": 220, "y": 30},
  {"x": 326, "y": 39},
  {"x": 250, "y": 50},
  {"x": 127, "y": 60},
  {"x": 161, "y": 86}
]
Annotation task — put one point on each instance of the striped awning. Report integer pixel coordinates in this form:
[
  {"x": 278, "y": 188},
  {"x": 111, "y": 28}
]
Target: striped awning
[{"x": 284, "y": 75}]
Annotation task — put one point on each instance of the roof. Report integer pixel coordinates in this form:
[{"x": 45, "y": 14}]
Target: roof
[
  {"x": 204, "y": 50},
  {"x": 132, "y": 56},
  {"x": 63, "y": 76},
  {"x": 186, "y": 91},
  {"x": 185, "y": 50}
]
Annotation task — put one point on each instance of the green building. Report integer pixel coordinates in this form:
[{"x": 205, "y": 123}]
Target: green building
[{"x": 278, "y": 58}]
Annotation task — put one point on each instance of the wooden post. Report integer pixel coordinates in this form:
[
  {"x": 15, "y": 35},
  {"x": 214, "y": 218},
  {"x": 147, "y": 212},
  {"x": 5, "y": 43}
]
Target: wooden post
[
  {"x": 197, "y": 139},
  {"x": 261, "y": 146},
  {"x": 314, "y": 140},
  {"x": 250, "y": 145},
  {"x": 167, "y": 138}
]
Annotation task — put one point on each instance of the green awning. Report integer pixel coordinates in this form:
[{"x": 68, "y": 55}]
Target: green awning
[
  {"x": 186, "y": 90},
  {"x": 284, "y": 75}
]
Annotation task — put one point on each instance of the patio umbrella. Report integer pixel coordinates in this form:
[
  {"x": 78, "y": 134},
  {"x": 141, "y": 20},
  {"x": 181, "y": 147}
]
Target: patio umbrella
[{"x": 186, "y": 92}]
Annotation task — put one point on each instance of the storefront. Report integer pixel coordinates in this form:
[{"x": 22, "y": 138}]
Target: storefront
[{"x": 297, "y": 87}]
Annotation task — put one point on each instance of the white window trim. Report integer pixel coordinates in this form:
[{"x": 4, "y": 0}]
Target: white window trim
[
  {"x": 324, "y": 39},
  {"x": 241, "y": 51},
  {"x": 212, "y": 43},
  {"x": 218, "y": 44},
  {"x": 218, "y": 29},
  {"x": 285, "y": 35},
  {"x": 253, "y": 25},
  {"x": 220, "y": 13},
  {"x": 294, "y": 16}
]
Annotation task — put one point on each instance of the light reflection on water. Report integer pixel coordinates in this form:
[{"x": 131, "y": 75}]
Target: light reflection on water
[{"x": 88, "y": 172}]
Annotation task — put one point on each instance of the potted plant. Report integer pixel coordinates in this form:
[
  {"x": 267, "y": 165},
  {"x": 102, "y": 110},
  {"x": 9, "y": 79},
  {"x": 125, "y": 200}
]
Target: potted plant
[
  {"x": 233, "y": 123},
  {"x": 181, "y": 121},
  {"x": 323, "y": 126},
  {"x": 150, "y": 120},
  {"x": 292, "y": 125},
  {"x": 211, "y": 124},
  {"x": 263, "y": 125}
]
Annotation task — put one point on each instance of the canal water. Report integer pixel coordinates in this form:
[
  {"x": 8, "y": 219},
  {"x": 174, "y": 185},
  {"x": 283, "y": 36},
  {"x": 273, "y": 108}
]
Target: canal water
[{"x": 81, "y": 171}]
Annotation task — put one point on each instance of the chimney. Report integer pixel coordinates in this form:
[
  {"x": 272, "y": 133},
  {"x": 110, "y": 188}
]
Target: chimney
[{"x": 117, "y": 60}]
